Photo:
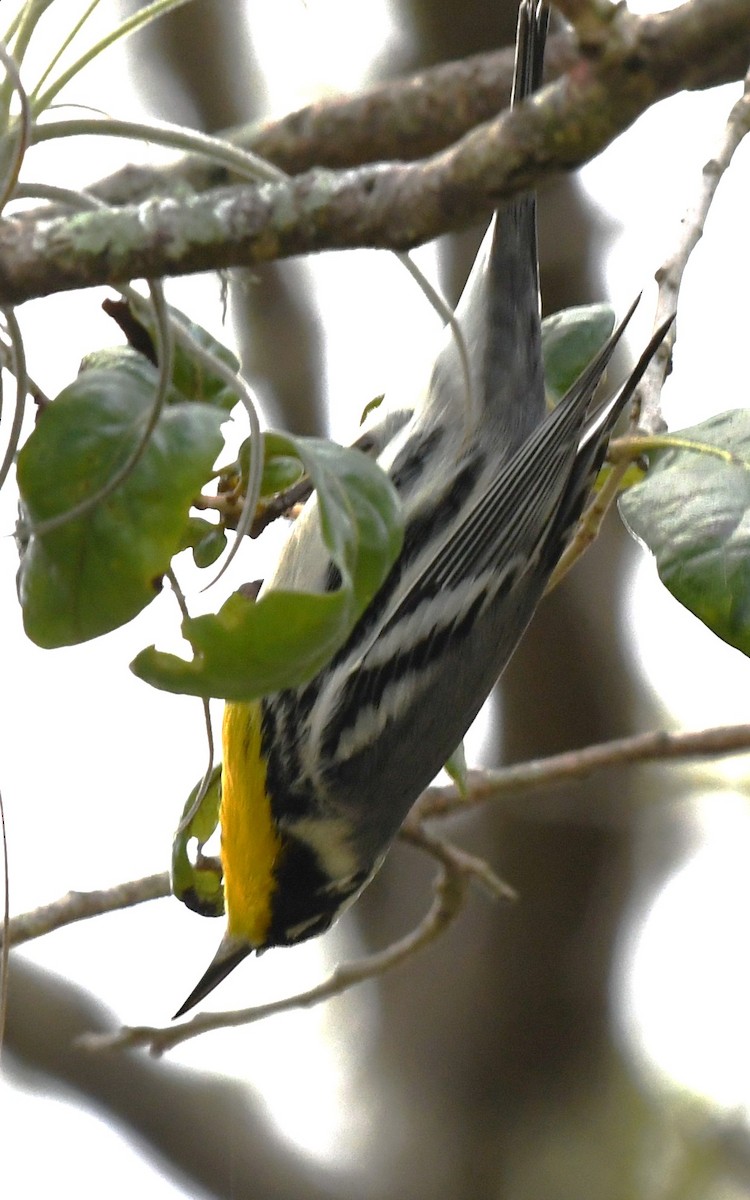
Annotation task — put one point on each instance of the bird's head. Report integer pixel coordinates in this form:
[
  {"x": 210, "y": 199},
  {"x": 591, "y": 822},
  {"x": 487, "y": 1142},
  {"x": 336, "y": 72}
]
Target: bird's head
[{"x": 283, "y": 882}]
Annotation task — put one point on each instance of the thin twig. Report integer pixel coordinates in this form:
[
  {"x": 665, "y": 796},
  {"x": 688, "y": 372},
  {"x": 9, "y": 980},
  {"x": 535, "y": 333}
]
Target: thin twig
[
  {"x": 414, "y": 833},
  {"x": 670, "y": 274},
  {"x": 450, "y": 892},
  {"x": 482, "y": 786},
  {"x": 590, "y": 523},
  {"x": 79, "y": 906},
  {"x": 558, "y": 769}
]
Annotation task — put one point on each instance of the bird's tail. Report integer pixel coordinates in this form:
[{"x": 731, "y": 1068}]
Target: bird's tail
[{"x": 499, "y": 310}]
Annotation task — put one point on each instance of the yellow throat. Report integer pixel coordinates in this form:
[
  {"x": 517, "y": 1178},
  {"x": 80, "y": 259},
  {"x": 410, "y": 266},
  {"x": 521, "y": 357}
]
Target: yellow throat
[{"x": 250, "y": 845}]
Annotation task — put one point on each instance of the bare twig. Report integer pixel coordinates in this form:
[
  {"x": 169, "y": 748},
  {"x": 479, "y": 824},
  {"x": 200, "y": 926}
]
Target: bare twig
[
  {"x": 280, "y": 505},
  {"x": 456, "y": 871},
  {"x": 669, "y": 276},
  {"x": 657, "y": 746},
  {"x": 79, "y": 906},
  {"x": 647, "y": 397},
  {"x": 414, "y": 833}
]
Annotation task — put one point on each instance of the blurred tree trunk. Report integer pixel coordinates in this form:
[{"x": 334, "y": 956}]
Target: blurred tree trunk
[
  {"x": 202, "y": 1128},
  {"x": 499, "y": 1039}
]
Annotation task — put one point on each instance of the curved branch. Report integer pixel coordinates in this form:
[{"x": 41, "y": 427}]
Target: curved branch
[
  {"x": 456, "y": 871},
  {"x": 400, "y": 120},
  {"x": 639, "y": 61}
]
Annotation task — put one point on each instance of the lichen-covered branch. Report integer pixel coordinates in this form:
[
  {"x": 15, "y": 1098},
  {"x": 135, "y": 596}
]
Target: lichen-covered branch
[
  {"x": 638, "y": 61},
  {"x": 400, "y": 120}
]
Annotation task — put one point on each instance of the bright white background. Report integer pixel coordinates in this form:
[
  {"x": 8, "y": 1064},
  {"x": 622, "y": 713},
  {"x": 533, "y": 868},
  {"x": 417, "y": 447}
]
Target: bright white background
[{"x": 114, "y": 759}]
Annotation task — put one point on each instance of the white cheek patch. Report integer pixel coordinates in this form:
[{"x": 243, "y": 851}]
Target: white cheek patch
[{"x": 330, "y": 840}]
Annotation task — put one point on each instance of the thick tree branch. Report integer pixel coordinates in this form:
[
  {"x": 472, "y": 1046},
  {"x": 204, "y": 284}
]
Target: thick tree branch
[
  {"x": 400, "y": 120},
  {"x": 639, "y": 61}
]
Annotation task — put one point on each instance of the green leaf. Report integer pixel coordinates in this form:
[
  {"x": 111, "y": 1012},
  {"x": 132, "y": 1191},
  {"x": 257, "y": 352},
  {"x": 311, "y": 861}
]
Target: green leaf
[
  {"x": 280, "y": 469},
  {"x": 125, "y": 360},
  {"x": 360, "y": 512},
  {"x": 210, "y": 548},
  {"x": 206, "y": 540},
  {"x": 192, "y": 378},
  {"x": 94, "y": 573},
  {"x": 196, "y": 529},
  {"x": 199, "y": 884},
  {"x": 570, "y": 339},
  {"x": 371, "y": 406},
  {"x": 251, "y": 648},
  {"x": 693, "y": 512}
]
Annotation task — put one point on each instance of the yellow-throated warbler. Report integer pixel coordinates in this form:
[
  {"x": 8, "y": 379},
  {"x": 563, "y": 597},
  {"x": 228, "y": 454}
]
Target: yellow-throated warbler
[{"x": 317, "y": 780}]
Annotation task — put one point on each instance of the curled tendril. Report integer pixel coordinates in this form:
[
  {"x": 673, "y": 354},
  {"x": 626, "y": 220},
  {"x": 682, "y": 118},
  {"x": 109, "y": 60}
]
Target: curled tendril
[
  {"x": 444, "y": 310},
  {"x": 241, "y": 162},
  {"x": 21, "y": 378},
  {"x": 205, "y": 781},
  {"x": 165, "y": 357},
  {"x": 25, "y": 128}
]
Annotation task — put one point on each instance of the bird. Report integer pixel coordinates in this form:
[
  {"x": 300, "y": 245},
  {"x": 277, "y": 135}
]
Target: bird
[{"x": 318, "y": 779}]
